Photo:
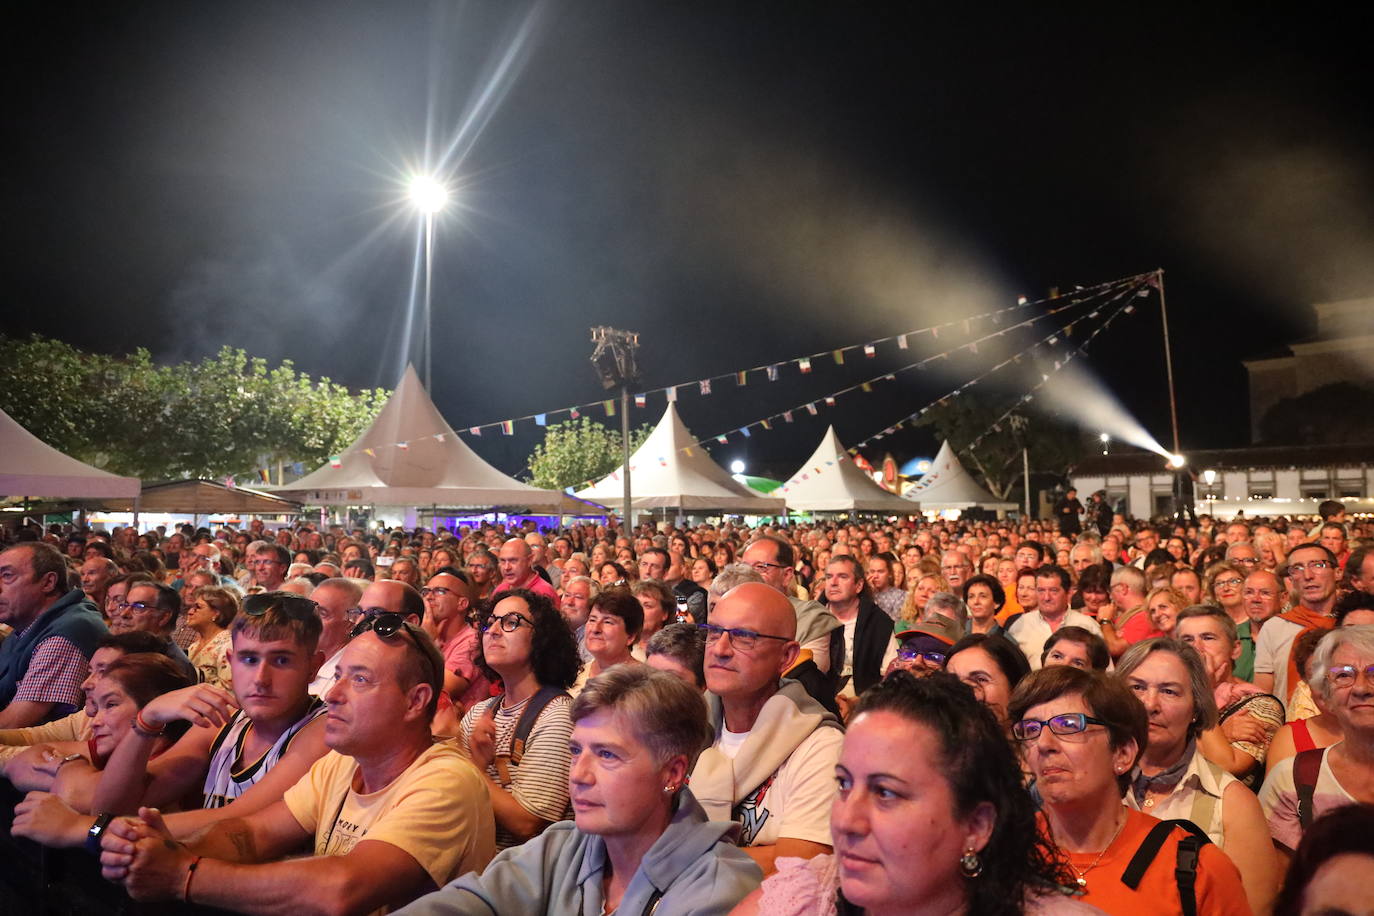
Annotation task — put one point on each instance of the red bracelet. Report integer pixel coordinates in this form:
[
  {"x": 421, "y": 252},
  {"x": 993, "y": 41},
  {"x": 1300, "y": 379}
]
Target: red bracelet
[
  {"x": 190, "y": 873},
  {"x": 144, "y": 729}
]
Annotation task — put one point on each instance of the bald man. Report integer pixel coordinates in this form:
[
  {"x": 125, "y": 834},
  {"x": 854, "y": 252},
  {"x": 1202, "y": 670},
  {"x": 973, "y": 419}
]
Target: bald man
[
  {"x": 771, "y": 767},
  {"x": 516, "y": 563}
]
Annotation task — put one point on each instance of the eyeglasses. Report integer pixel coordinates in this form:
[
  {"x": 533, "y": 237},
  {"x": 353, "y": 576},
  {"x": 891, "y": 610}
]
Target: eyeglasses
[
  {"x": 1229, "y": 582},
  {"x": 508, "y": 623},
  {"x": 764, "y": 567},
  {"x": 907, "y": 654},
  {"x": 1297, "y": 569},
  {"x": 1245, "y": 561},
  {"x": 358, "y": 613},
  {"x": 437, "y": 591},
  {"x": 387, "y": 625},
  {"x": 1346, "y": 675},
  {"x": 135, "y": 606},
  {"x": 1069, "y": 723},
  {"x": 479, "y": 566},
  {"x": 296, "y": 607},
  {"x": 740, "y": 638}
]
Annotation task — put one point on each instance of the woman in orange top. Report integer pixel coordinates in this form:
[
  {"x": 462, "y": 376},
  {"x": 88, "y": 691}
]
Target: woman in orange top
[{"x": 1081, "y": 733}]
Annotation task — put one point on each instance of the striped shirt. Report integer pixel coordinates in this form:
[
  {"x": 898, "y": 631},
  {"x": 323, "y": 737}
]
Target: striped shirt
[{"x": 539, "y": 782}]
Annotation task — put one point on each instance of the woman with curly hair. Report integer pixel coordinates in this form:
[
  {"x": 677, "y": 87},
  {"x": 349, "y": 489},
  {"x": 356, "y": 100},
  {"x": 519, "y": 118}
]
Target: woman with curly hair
[
  {"x": 931, "y": 817},
  {"x": 528, "y": 647}
]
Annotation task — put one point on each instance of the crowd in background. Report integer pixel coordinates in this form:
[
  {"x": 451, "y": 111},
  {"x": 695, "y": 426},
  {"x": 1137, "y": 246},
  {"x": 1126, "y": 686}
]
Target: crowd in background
[{"x": 835, "y": 716}]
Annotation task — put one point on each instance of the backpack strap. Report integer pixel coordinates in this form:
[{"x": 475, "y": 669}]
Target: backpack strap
[
  {"x": 528, "y": 717},
  {"x": 1185, "y": 863},
  {"x": 1307, "y": 767}
]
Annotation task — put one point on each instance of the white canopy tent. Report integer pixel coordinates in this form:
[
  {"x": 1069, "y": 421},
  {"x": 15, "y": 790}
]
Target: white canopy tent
[
  {"x": 671, "y": 471},
  {"x": 948, "y": 486},
  {"x": 29, "y": 467},
  {"x": 830, "y": 481},
  {"x": 410, "y": 456}
]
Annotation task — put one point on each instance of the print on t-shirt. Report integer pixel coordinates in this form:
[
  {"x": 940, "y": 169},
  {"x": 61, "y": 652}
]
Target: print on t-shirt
[{"x": 752, "y": 814}]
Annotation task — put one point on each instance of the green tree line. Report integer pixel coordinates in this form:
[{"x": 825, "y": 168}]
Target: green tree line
[{"x": 226, "y": 414}]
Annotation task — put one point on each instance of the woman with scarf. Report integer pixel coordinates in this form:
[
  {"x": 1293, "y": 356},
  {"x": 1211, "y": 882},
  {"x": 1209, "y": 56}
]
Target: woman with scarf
[{"x": 1174, "y": 780}]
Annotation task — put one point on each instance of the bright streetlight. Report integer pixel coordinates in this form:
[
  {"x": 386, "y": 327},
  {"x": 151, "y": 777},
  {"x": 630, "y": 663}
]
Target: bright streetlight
[
  {"x": 737, "y": 467},
  {"x": 429, "y": 195},
  {"x": 1177, "y": 461}
]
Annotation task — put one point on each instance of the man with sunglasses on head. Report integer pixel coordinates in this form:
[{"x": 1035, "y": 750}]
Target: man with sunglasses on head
[
  {"x": 387, "y": 815},
  {"x": 771, "y": 767}
]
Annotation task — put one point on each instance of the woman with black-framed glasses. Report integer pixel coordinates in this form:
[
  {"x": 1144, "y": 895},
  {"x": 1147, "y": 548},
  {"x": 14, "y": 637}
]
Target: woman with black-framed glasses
[
  {"x": 519, "y": 740},
  {"x": 1080, "y": 733}
]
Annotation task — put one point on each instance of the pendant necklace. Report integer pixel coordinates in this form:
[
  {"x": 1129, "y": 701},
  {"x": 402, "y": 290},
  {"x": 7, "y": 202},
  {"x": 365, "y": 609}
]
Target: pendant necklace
[{"x": 1083, "y": 875}]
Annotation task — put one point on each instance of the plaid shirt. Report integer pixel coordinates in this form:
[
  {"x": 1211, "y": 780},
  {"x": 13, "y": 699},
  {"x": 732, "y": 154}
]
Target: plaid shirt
[{"x": 55, "y": 673}]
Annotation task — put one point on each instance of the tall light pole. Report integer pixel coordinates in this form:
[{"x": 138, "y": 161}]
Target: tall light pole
[
  {"x": 617, "y": 366},
  {"x": 429, "y": 195}
]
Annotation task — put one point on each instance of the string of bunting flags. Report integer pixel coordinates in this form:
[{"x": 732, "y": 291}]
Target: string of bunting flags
[
  {"x": 1078, "y": 297},
  {"x": 1125, "y": 308},
  {"x": 1139, "y": 287},
  {"x": 804, "y": 363}
]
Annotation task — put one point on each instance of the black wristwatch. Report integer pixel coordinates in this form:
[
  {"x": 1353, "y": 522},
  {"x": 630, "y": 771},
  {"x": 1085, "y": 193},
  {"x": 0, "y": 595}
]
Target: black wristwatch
[{"x": 96, "y": 832}]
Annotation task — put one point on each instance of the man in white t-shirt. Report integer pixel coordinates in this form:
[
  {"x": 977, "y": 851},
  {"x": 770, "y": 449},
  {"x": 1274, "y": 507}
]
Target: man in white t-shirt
[
  {"x": 1051, "y": 612},
  {"x": 772, "y": 766},
  {"x": 1312, "y": 574},
  {"x": 388, "y": 815}
]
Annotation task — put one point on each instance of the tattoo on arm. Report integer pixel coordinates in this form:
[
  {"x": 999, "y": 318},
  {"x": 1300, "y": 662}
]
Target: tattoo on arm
[{"x": 244, "y": 847}]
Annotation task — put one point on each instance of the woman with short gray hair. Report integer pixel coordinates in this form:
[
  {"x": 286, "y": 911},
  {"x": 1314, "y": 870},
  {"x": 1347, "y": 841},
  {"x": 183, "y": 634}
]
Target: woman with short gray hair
[
  {"x": 636, "y": 734},
  {"x": 1172, "y": 778}
]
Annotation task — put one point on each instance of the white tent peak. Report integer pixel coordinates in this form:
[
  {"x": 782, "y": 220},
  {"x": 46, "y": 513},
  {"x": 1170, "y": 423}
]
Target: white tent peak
[
  {"x": 31, "y": 467},
  {"x": 672, "y": 470},
  {"x": 948, "y": 486},
  {"x": 434, "y": 467},
  {"x": 830, "y": 481}
]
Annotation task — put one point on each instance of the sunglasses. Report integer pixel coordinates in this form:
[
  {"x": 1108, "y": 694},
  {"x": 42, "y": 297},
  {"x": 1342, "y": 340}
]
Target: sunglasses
[
  {"x": 294, "y": 606},
  {"x": 387, "y": 625}
]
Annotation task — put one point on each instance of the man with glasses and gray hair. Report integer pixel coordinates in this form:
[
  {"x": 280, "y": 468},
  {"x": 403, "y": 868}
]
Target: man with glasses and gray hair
[
  {"x": 387, "y": 815},
  {"x": 268, "y": 563},
  {"x": 771, "y": 766}
]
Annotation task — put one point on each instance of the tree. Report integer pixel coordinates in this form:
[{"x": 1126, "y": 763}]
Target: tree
[
  {"x": 1341, "y": 413},
  {"x": 576, "y": 451},
  {"x": 1055, "y": 446},
  {"x": 226, "y": 415}
]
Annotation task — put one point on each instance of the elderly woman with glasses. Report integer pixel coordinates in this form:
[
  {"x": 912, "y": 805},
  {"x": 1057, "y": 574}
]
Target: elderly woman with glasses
[
  {"x": 1081, "y": 732},
  {"x": 519, "y": 739},
  {"x": 639, "y": 841},
  {"x": 1341, "y": 673},
  {"x": 1173, "y": 778}
]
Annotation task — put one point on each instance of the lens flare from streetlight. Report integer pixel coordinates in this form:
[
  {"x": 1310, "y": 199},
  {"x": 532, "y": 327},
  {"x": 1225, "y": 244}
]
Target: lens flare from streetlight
[
  {"x": 1177, "y": 461},
  {"x": 428, "y": 194}
]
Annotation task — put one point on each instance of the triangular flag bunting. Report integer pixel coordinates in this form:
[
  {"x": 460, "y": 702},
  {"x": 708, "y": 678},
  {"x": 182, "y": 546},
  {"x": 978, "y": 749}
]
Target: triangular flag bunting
[
  {"x": 721, "y": 439},
  {"x": 773, "y": 372},
  {"x": 745, "y": 430},
  {"x": 829, "y": 402},
  {"x": 475, "y": 430},
  {"x": 742, "y": 377},
  {"x": 508, "y": 427},
  {"x": 574, "y": 413},
  {"x": 541, "y": 420},
  {"x": 866, "y": 387},
  {"x": 705, "y": 386},
  {"x": 403, "y": 445},
  {"x": 787, "y": 416},
  {"x": 811, "y": 408},
  {"x": 335, "y": 461},
  {"x": 641, "y": 400},
  {"x": 609, "y": 407},
  {"x": 901, "y": 342},
  {"x": 804, "y": 364},
  {"x": 870, "y": 351},
  {"x": 765, "y": 424},
  {"x": 672, "y": 394},
  {"x": 838, "y": 356}
]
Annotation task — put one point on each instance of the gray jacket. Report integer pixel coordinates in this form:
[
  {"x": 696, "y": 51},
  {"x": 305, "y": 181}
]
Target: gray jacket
[{"x": 694, "y": 868}]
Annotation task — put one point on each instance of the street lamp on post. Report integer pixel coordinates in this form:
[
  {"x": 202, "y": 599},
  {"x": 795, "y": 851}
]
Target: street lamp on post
[
  {"x": 617, "y": 366},
  {"x": 429, "y": 196}
]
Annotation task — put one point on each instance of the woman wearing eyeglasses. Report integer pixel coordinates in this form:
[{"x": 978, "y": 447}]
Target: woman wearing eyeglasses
[
  {"x": 211, "y": 612},
  {"x": 526, "y": 644},
  {"x": 640, "y": 842},
  {"x": 1081, "y": 732}
]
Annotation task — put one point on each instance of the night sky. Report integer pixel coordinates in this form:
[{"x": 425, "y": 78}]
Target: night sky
[{"x": 740, "y": 183}]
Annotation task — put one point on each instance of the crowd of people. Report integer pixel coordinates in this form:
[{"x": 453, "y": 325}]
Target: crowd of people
[{"x": 891, "y": 716}]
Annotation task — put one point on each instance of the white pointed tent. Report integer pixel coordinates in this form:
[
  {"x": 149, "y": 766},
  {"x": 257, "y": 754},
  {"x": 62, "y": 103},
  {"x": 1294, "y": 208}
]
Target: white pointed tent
[
  {"x": 948, "y": 486},
  {"x": 670, "y": 471},
  {"x": 31, "y": 467},
  {"x": 433, "y": 467},
  {"x": 830, "y": 481}
]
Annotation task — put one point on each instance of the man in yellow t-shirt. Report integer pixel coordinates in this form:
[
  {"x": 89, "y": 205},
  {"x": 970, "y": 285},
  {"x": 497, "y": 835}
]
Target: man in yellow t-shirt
[{"x": 389, "y": 814}]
